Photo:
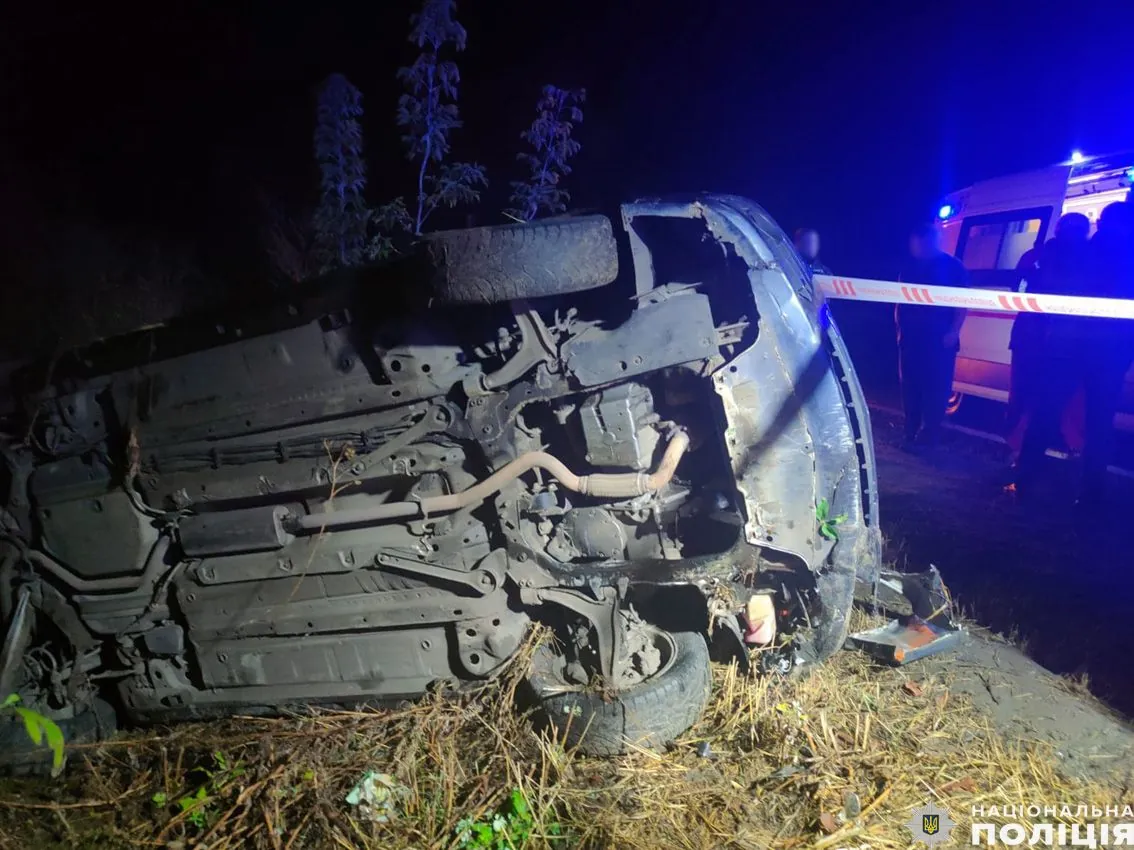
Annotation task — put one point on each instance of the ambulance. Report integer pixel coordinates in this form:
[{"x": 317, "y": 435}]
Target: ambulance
[{"x": 990, "y": 225}]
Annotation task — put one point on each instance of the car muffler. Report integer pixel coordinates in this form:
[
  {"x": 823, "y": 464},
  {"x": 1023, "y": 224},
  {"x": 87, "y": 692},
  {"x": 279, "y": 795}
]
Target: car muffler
[{"x": 232, "y": 532}]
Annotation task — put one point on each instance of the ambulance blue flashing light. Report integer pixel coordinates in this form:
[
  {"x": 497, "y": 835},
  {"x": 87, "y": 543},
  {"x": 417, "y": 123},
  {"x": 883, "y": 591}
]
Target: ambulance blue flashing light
[
  {"x": 1077, "y": 158},
  {"x": 946, "y": 211}
]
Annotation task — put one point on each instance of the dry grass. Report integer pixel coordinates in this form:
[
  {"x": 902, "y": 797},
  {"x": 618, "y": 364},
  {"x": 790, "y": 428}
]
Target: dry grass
[{"x": 784, "y": 757}]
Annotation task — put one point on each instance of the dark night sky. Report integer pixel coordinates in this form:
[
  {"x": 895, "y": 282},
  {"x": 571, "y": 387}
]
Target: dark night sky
[{"x": 854, "y": 117}]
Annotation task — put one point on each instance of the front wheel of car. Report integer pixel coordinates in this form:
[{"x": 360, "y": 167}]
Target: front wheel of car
[{"x": 605, "y": 721}]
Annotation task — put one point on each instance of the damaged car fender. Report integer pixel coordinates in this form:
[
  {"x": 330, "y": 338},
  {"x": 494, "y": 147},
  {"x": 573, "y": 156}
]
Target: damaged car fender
[{"x": 798, "y": 430}]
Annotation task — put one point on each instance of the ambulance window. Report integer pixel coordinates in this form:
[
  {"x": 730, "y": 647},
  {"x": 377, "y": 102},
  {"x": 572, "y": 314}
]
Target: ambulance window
[
  {"x": 983, "y": 246},
  {"x": 1019, "y": 238},
  {"x": 997, "y": 242}
]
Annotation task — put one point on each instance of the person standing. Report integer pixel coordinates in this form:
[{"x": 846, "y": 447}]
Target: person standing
[
  {"x": 807, "y": 244},
  {"x": 928, "y": 338},
  {"x": 1055, "y": 268},
  {"x": 1095, "y": 353}
]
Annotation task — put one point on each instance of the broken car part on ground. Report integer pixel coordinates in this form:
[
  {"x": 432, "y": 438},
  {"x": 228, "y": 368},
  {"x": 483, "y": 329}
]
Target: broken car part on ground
[{"x": 623, "y": 433}]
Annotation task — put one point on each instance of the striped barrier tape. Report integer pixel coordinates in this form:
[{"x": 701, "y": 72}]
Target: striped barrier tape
[{"x": 992, "y": 300}]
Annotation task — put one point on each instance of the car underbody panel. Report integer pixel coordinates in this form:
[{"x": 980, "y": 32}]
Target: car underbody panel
[{"x": 363, "y": 500}]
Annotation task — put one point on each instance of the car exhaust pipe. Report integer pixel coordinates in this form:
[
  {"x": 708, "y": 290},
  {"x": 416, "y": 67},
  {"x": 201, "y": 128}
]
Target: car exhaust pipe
[
  {"x": 620, "y": 485},
  {"x": 155, "y": 567}
]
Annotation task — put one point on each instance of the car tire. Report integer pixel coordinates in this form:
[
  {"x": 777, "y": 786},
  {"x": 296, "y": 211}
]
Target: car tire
[
  {"x": 954, "y": 403},
  {"x": 650, "y": 714},
  {"x": 489, "y": 265}
]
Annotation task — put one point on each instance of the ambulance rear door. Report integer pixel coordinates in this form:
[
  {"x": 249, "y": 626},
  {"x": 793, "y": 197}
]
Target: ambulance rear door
[{"x": 995, "y": 224}]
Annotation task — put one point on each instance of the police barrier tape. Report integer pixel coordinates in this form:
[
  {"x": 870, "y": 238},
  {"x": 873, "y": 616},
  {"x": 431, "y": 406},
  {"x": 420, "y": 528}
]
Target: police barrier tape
[{"x": 892, "y": 292}]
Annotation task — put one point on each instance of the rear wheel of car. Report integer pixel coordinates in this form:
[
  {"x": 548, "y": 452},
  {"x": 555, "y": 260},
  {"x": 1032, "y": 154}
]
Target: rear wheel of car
[
  {"x": 488, "y": 265},
  {"x": 649, "y": 713}
]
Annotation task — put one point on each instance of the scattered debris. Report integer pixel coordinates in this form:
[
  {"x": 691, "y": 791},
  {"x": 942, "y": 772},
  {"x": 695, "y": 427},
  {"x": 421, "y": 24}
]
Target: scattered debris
[
  {"x": 792, "y": 709},
  {"x": 913, "y": 689},
  {"x": 785, "y": 771},
  {"x": 965, "y": 784},
  {"x": 927, "y": 630},
  {"x": 377, "y": 795},
  {"x": 760, "y": 620},
  {"x": 900, "y": 643},
  {"x": 829, "y": 822}
]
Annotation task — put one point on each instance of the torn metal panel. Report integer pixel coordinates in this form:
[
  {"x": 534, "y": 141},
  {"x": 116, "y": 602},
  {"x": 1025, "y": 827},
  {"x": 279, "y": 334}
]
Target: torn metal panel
[
  {"x": 797, "y": 427},
  {"x": 900, "y": 642},
  {"x": 925, "y": 628}
]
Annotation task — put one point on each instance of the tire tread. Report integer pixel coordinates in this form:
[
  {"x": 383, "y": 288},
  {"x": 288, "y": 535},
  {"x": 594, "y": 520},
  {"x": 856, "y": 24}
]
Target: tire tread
[{"x": 486, "y": 265}]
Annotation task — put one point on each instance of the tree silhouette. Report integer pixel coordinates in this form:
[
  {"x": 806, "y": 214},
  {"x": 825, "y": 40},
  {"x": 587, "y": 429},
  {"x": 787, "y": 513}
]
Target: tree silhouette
[
  {"x": 557, "y": 113},
  {"x": 428, "y": 113}
]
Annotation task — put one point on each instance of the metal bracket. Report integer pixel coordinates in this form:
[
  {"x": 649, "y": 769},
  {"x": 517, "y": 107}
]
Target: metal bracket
[
  {"x": 486, "y": 578},
  {"x": 435, "y": 419},
  {"x": 536, "y": 346},
  {"x": 604, "y": 615}
]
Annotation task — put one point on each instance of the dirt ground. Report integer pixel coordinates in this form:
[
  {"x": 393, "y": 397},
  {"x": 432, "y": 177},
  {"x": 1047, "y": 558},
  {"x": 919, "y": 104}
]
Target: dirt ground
[
  {"x": 1054, "y": 584},
  {"x": 1026, "y": 702}
]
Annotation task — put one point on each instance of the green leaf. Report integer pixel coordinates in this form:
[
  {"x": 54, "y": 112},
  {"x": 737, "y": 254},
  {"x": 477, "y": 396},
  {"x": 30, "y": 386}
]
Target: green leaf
[
  {"x": 822, "y": 510},
  {"x": 519, "y": 803},
  {"x": 482, "y": 834},
  {"x": 195, "y": 800},
  {"x": 841, "y": 518},
  {"x": 10, "y": 700},
  {"x": 828, "y": 531},
  {"x": 54, "y": 740},
  {"x": 38, "y": 728},
  {"x": 31, "y": 724},
  {"x": 159, "y": 799}
]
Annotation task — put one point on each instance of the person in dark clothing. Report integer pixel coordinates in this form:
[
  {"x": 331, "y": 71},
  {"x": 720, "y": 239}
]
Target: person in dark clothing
[
  {"x": 807, "y": 244},
  {"x": 1094, "y": 353},
  {"x": 928, "y": 338},
  {"x": 1062, "y": 275}
]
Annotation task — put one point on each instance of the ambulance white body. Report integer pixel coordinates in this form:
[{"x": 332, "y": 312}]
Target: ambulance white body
[{"x": 990, "y": 226}]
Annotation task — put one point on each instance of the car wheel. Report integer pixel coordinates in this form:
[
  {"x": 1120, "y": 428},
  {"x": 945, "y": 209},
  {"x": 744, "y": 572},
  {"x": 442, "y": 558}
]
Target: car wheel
[
  {"x": 649, "y": 713},
  {"x": 954, "y": 403},
  {"x": 489, "y": 265}
]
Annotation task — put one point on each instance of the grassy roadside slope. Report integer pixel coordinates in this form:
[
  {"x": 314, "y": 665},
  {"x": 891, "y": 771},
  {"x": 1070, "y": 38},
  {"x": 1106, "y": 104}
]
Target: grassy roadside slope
[{"x": 838, "y": 759}]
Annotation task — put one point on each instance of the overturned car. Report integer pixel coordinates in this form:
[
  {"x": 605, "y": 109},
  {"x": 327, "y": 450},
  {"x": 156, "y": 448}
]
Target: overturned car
[{"x": 626, "y": 433}]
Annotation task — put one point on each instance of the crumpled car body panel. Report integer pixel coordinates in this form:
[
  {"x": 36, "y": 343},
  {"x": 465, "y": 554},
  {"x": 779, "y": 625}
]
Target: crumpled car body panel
[{"x": 798, "y": 426}]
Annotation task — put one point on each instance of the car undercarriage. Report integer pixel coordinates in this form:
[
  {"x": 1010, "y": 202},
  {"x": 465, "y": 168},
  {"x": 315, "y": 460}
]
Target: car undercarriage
[{"x": 621, "y": 431}]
